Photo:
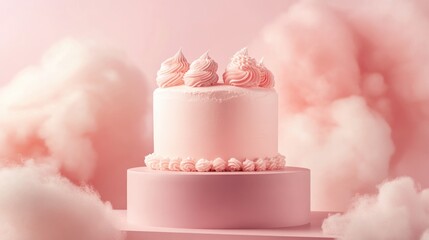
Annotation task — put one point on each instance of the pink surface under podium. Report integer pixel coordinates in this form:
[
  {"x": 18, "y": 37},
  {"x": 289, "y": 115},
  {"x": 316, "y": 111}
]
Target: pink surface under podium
[
  {"x": 309, "y": 231},
  {"x": 218, "y": 200}
]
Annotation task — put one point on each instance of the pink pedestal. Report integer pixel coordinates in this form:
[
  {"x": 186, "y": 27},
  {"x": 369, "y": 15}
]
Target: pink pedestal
[{"x": 241, "y": 200}]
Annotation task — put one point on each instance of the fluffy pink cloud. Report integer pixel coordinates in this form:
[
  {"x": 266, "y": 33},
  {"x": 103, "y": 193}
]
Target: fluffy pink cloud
[
  {"x": 352, "y": 78},
  {"x": 399, "y": 211},
  {"x": 83, "y": 108},
  {"x": 36, "y": 203}
]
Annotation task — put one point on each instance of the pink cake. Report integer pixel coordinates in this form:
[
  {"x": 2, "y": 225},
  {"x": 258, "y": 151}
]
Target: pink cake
[
  {"x": 215, "y": 162},
  {"x": 201, "y": 125}
]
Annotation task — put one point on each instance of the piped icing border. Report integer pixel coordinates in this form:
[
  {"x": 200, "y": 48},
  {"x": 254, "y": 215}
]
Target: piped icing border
[{"x": 189, "y": 164}]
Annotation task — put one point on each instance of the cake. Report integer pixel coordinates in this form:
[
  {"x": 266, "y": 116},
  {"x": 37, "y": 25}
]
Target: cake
[
  {"x": 202, "y": 125},
  {"x": 215, "y": 162}
]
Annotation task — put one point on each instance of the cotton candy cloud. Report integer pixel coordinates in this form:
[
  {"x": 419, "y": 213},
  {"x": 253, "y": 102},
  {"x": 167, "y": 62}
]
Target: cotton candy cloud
[
  {"x": 399, "y": 211},
  {"x": 36, "y": 203},
  {"x": 339, "y": 171},
  {"x": 353, "y": 87},
  {"x": 84, "y": 109}
]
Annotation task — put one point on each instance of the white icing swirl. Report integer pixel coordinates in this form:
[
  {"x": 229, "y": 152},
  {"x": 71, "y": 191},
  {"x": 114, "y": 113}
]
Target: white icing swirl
[
  {"x": 242, "y": 71},
  {"x": 152, "y": 162},
  {"x": 271, "y": 163},
  {"x": 248, "y": 165},
  {"x": 164, "y": 164},
  {"x": 219, "y": 165},
  {"x": 234, "y": 165},
  {"x": 187, "y": 165},
  {"x": 174, "y": 164},
  {"x": 267, "y": 78},
  {"x": 203, "y": 165},
  {"x": 281, "y": 161},
  {"x": 202, "y": 72},
  {"x": 260, "y": 164},
  {"x": 172, "y": 71}
]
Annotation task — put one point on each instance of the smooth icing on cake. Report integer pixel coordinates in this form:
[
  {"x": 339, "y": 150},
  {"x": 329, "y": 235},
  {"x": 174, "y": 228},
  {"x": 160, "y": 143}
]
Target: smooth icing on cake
[{"x": 202, "y": 125}]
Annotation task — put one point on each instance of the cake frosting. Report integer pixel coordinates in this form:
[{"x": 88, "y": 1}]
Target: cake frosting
[
  {"x": 234, "y": 165},
  {"x": 201, "y": 125},
  {"x": 152, "y": 163},
  {"x": 188, "y": 164},
  {"x": 242, "y": 71},
  {"x": 219, "y": 165},
  {"x": 266, "y": 76},
  {"x": 163, "y": 164},
  {"x": 203, "y": 165},
  {"x": 174, "y": 164},
  {"x": 260, "y": 164},
  {"x": 202, "y": 72},
  {"x": 172, "y": 71},
  {"x": 248, "y": 165}
]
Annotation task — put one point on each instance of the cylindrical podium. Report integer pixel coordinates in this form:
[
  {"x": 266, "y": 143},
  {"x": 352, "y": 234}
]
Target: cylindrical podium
[{"x": 270, "y": 199}]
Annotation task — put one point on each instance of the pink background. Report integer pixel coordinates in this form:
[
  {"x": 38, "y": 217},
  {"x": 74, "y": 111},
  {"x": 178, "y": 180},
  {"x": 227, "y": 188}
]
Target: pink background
[
  {"x": 148, "y": 31},
  {"x": 349, "y": 74}
]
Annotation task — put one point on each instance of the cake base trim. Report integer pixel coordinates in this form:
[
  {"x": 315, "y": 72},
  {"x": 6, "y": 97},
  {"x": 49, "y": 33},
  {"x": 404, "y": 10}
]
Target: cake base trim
[{"x": 188, "y": 164}]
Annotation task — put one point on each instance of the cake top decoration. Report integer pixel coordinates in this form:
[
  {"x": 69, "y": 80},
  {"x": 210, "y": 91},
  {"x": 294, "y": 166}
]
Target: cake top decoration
[
  {"x": 242, "y": 71},
  {"x": 172, "y": 71},
  {"x": 267, "y": 78},
  {"x": 202, "y": 72}
]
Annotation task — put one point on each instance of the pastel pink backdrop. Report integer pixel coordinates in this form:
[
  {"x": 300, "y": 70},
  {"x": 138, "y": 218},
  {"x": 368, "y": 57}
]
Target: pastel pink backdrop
[
  {"x": 147, "y": 31},
  {"x": 369, "y": 43}
]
